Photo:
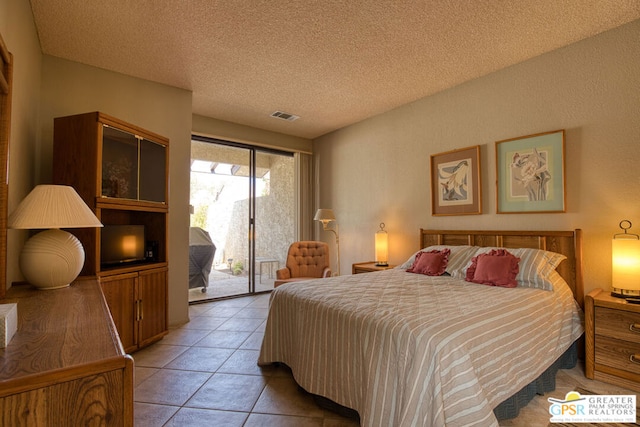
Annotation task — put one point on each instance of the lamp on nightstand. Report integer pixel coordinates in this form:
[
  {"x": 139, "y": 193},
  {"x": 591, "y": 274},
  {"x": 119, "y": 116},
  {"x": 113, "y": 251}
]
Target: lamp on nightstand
[
  {"x": 52, "y": 258},
  {"x": 625, "y": 264},
  {"x": 382, "y": 247}
]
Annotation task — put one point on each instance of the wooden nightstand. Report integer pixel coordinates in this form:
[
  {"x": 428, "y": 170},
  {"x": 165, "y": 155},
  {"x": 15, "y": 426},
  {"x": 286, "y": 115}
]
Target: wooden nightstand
[
  {"x": 367, "y": 267},
  {"x": 612, "y": 340}
]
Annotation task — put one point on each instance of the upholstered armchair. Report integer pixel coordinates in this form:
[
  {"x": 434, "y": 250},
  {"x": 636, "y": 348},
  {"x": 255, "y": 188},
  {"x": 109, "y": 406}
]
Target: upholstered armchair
[{"x": 305, "y": 260}]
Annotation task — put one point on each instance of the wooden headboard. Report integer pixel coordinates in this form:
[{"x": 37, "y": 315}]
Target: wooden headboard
[{"x": 568, "y": 243}]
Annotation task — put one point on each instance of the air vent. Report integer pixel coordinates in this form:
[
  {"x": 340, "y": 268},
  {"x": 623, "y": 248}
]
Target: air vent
[{"x": 284, "y": 116}]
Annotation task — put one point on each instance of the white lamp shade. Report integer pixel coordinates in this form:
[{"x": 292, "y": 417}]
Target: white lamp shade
[
  {"x": 382, "y": 248},
  {"x": 625, "y": 278},
  {"x": 52, "y": 206}
]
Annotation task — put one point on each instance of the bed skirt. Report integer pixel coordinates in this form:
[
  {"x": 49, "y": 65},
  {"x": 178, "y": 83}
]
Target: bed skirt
[
  {"x": 508, "y": 409},
  {"x": 544, "y": 383}
]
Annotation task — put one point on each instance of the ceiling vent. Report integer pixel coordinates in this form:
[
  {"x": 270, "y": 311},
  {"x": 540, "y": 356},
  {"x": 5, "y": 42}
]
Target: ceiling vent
[{"x": 284, "y": 116}]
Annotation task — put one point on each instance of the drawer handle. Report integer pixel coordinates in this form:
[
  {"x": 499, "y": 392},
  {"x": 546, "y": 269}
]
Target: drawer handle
[
  {"x": 634, "y": 327},
  {"x": 634, "y": 358}
]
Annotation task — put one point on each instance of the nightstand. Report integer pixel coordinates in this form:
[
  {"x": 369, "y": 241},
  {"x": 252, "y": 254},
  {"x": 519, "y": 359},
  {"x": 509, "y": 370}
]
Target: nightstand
[
  {"x": 367, "y": 267},
  {"x": 612, "y": 340}
]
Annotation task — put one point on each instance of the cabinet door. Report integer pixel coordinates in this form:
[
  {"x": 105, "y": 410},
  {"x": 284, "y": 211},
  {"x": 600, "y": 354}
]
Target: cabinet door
[
  {"x": 120, "y": 164},
  {"x": 153, "y": 309},
  {"x": 120, "y": 293},
  {"x": 153, "y": 171}
]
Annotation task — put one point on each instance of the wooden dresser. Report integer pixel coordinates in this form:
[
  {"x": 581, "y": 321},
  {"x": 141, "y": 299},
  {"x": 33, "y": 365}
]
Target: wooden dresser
[
  {"x": 65, "y": 364},
  {"x": 612, "y": 331}
]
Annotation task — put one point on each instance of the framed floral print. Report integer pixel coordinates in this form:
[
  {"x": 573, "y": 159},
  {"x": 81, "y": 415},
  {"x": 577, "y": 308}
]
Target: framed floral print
[
  {"x": 455, "y": 182},
  {"x": 530, "y": 174}
]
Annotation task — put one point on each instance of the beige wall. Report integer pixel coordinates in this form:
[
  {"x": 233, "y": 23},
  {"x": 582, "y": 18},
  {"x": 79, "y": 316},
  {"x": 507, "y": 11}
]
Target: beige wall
[
  {"x": 378, "y": 170},
  {"x": 72, "y": 88},
  {"x": 220, "y": 129},
  {"x": 19, "y": 34}
]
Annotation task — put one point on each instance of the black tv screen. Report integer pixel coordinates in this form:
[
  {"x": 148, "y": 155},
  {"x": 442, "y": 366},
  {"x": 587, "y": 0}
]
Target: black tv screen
[{"x": 121, "y": 244}]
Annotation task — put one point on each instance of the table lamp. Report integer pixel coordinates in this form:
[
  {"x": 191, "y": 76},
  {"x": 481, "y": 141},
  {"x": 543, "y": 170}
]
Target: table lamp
[
  {"x": 382, "y": 246},
  {"x": 625, "y": 264},
  {"x": 53, "y": 258}
]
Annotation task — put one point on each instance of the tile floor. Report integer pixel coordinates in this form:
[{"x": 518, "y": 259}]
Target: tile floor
[
  {"x": 223, "y": 284},
  {"x": 204, "y": 373}
]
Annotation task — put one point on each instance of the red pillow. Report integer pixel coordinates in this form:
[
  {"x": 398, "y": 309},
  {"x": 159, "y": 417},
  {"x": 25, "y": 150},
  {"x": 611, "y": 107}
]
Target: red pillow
[
  {"x": 432, "y": 263},
  {"x": 496, "y": 268}
]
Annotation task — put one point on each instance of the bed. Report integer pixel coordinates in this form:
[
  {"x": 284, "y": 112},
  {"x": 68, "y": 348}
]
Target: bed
[{"x": 407, "y": 349}]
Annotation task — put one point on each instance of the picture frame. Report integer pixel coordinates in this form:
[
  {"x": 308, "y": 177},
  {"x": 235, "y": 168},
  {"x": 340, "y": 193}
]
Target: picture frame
[
  {"x": 456, "y": 187},
  {"x": 530, "y": 174}
]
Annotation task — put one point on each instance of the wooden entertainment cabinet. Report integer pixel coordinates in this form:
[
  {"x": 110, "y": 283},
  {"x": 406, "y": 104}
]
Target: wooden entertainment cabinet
[{"x": 121, "y": 171}]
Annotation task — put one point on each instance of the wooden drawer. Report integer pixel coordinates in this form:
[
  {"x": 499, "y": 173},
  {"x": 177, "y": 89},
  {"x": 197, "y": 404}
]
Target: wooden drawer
[
  {"x": 618, "y": 354},
  {"x": 612, "y": 340},
  {"x": 623, "y": 325}
]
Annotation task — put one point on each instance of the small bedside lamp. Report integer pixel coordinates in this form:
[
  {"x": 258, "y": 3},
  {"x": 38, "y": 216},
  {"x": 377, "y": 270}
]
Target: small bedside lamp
[
  {"x": 382, "y": 246},
  {"x": 52, "y": 258},
  {"x": 625, "y": 267},
  {"x": 326, "y": 216}
]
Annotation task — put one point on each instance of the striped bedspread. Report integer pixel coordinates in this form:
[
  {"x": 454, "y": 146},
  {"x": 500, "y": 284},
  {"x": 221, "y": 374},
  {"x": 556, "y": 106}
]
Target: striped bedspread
[{"x": 406, "y": 349}]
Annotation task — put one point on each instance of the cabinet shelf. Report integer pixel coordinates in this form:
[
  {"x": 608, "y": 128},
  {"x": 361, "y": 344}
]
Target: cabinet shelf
[
  {"x": 125, "y": 204},
  {"x": 134, "y": 267}
]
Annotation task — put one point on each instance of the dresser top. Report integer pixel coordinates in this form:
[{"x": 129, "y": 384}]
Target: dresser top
[{"x": 61, "y": 329}]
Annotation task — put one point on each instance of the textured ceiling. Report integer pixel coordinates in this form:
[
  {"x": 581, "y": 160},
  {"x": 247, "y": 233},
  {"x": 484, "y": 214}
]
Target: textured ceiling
[{"x": 331, "y": 62}]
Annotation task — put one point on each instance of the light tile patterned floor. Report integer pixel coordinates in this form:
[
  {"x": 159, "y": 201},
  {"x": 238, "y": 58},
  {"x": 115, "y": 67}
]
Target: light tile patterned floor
[{"x": 204, "y": 373}]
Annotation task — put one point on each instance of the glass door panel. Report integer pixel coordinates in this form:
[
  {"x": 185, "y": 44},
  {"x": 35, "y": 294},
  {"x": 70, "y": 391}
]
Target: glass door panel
[
  {"x": 153, "y": 160},
  {"x": 274, "y": 215},
  {"x": 220, "y": 197},
  {"x": 119, "y": 164}
]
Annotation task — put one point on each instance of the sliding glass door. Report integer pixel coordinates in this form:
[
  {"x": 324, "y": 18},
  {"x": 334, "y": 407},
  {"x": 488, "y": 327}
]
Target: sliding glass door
[{"x": 242, "y": 217}]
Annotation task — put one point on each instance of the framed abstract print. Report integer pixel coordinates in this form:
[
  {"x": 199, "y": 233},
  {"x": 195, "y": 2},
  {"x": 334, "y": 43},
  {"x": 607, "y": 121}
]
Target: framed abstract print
[
  {"x": 455, "y": 182},
  {"x": 530, "y": 174}
]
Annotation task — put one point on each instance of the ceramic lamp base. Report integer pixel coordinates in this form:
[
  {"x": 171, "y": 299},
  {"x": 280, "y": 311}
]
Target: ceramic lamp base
[{"x": 52, "y": 259}]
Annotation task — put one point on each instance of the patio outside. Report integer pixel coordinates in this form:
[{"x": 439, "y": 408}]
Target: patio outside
[{"x": 220, "y": 206}]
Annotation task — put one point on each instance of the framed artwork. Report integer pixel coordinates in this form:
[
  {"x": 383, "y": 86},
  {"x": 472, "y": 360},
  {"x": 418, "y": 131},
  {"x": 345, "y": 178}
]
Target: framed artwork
[
  {"x": 530, "y": 173},
  {"x": 455, "y": 182}
]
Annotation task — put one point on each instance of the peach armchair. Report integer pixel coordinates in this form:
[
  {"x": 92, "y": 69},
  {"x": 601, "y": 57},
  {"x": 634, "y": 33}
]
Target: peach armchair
[{"x": 305, "y": 260}]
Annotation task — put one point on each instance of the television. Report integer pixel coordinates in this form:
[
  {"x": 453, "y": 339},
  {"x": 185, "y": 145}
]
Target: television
[{"x": 122, "y": 244}]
